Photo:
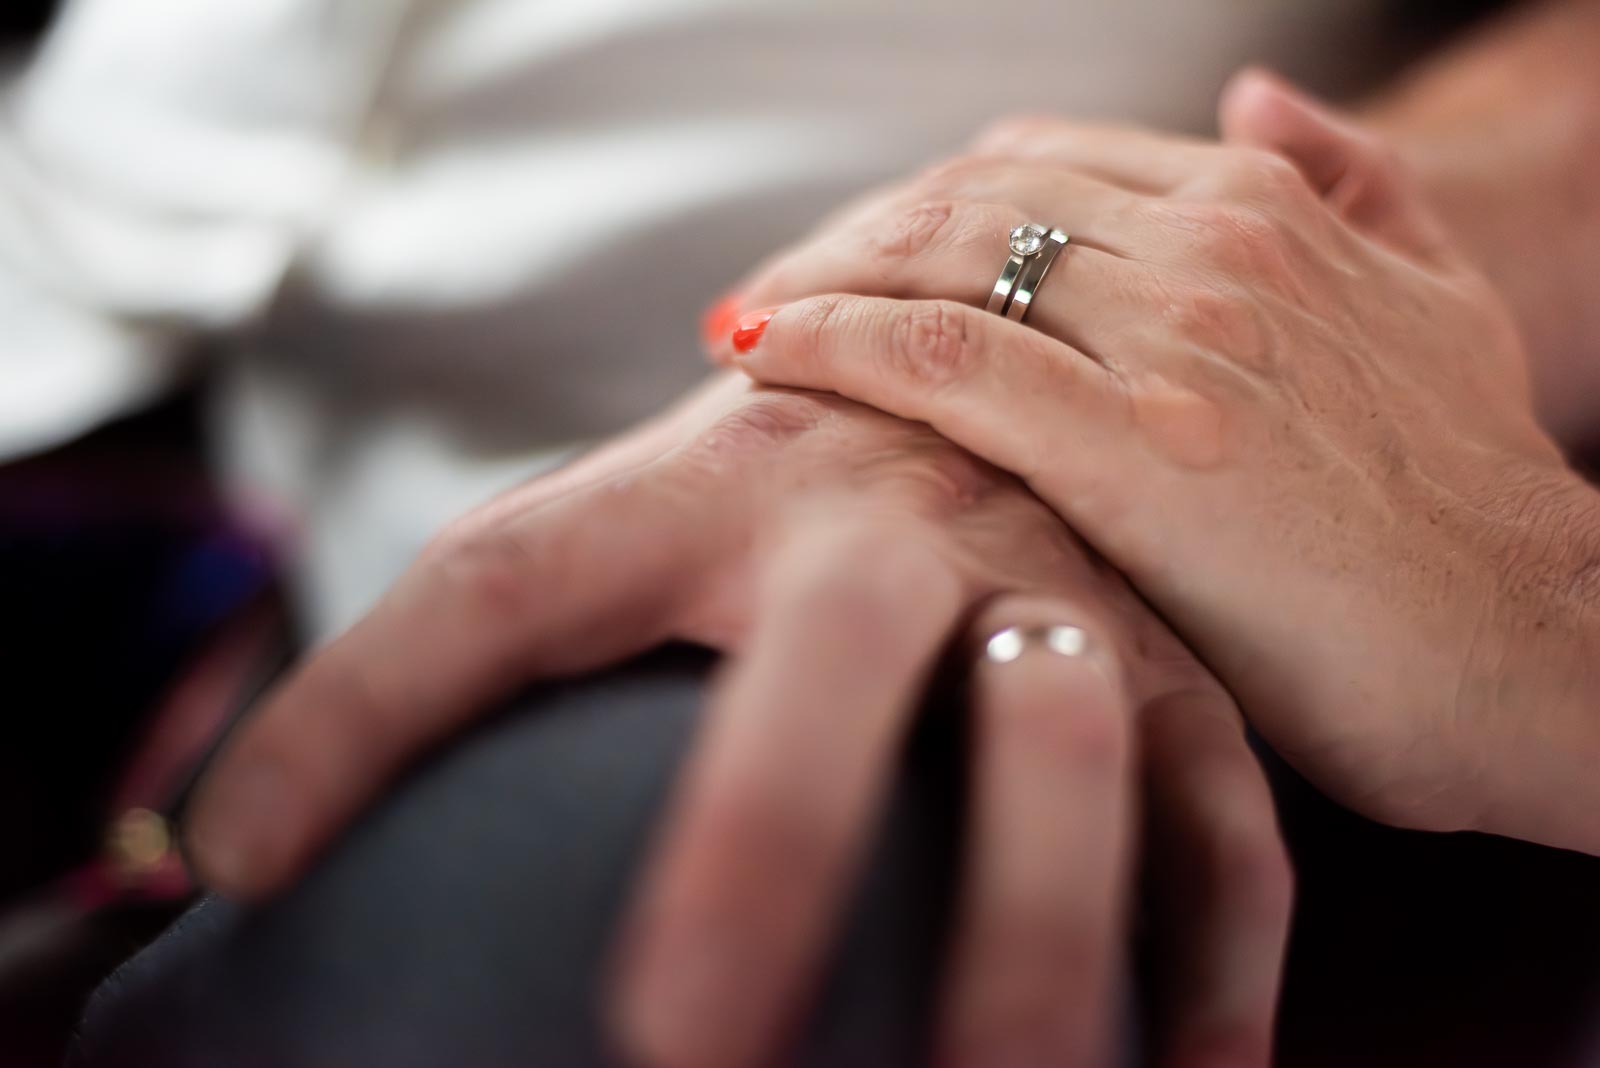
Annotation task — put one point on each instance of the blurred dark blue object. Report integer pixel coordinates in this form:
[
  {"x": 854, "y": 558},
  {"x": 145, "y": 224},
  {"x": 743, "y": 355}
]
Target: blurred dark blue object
[{"x": 116, "y": 562}]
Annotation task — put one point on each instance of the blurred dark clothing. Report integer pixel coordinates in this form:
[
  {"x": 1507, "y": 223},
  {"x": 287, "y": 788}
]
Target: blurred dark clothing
[
  {"x": 117, "y": 560},
  {"x": 469, "y": 919},
  {"x": 22, "y": 20},
  {"x": 120, "y": 570}
]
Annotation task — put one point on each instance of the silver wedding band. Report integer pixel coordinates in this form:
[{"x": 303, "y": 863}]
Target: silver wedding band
[
  {"x": 1033, "y": 249},
  {"x": 1009, "y": 644}
]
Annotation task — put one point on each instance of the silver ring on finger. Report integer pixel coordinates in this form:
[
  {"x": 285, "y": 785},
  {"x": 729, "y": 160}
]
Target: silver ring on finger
[
  {"x": 1034, "y": 248},
  {"x": 1033, "y": 275},
  {"x": 1010, "y": 643}
]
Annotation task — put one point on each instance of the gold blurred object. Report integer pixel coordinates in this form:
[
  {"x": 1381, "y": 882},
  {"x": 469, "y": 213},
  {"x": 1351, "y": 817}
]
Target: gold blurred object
[{"x": 138, "y": 842}]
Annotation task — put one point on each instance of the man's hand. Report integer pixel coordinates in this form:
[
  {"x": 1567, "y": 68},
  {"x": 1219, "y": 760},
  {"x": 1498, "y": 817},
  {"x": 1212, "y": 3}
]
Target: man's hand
[{"x": 835, "y": 553}]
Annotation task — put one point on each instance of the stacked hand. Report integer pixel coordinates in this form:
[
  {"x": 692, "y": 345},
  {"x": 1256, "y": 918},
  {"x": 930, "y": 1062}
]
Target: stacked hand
[
  {"x": 1265, "y": 391},
  {"x": 835, "y": 552}
]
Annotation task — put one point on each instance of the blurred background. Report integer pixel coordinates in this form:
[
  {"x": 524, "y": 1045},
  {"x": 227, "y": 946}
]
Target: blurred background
[{"x": 128, "y": 597}]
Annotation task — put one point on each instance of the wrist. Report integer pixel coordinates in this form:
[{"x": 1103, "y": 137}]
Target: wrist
[{"x": 1536, "y": 683}]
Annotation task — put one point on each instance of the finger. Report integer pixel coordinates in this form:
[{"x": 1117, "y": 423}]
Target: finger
[
  {"x": 1024, "y": 402},
  {"x": 582, "y": 581},
  {"x": 1137, "y": 160},
  {"x": 1037, "y": 953},
  {"x": 1221, "y": 881},
  {"x": 797, "y": 748},
  {"x": 1351, "y": 168},
  {"x": 955, "y": 248}
]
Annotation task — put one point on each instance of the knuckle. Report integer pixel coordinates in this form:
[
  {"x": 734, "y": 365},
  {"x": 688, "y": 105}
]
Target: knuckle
[
  {"x": 1263, "y": 173},
  {"x": 762, "y": 422},
  {"x": 883, "y": 558},
  {"x": 941, "y": 481},
  {"x": 915, "y": 231},
  {"x": 934, "y": 343},
  {"x": 486, "y": 573},
  {"x": 1236, "y": 230},
  {"x": 449, "y": 539},
  {"x": 862, "y": 576},
  {"x": 819, "y": 325},
  {"x": 1239, "y": 240},
  {"x": 1012, "y": 131},
  {"x": 1216, "y": 319}
]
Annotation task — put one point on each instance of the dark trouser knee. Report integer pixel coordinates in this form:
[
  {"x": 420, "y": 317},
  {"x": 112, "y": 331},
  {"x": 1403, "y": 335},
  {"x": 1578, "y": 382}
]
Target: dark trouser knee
[{"x": 468, "y": 919}]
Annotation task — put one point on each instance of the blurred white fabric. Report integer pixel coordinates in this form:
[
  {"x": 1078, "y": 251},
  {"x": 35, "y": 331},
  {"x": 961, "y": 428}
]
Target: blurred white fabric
[{"x": 434, "y": 242}]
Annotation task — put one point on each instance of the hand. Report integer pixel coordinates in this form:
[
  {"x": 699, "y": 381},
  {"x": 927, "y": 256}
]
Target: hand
[
  {"x": 1272, "y": 395},
  {"x": 834, "y": 552}
]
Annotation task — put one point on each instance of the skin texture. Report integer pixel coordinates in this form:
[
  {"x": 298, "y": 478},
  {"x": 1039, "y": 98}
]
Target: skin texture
[
  {"x": 835, "y": 553},
  {"x": 1503, "y": 132},
  {"x": 1267, "y": 388}
]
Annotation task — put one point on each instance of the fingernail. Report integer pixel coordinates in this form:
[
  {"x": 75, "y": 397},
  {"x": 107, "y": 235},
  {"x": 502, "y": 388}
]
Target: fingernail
[
  {"x": 748, "y": 333},
  {"x": 239, "y": 828},
  {"x": 721, "y": 318}
]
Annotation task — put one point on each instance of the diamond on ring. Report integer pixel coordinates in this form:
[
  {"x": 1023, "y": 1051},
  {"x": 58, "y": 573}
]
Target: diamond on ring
[
  {"x": 1028, "y": 239},
  {"x": 1033, "y": 248}
]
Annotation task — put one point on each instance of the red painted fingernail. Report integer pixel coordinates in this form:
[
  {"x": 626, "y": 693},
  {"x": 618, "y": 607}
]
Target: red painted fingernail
[
  {"x": 748, "y": 333},
  {"x": 720, "y": 319}
]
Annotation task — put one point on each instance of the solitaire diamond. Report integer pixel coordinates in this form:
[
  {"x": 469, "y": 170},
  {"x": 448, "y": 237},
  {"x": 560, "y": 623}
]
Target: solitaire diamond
[{"x": 1028, "y": 239}]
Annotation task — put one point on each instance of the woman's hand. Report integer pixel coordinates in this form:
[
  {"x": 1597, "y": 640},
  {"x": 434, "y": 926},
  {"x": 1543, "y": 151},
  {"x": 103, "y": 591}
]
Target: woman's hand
[
  {"x": 835, "y": 553},
  {"x": 1273, "y": 396}
]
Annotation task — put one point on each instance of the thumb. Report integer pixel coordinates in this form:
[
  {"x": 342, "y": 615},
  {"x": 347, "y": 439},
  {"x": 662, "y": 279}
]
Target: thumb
[{"x": 1351, "y": 168}]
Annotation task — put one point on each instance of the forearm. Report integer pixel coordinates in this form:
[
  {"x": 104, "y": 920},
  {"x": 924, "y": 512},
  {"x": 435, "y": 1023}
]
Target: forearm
[{"x": 1505, "y": 131}]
